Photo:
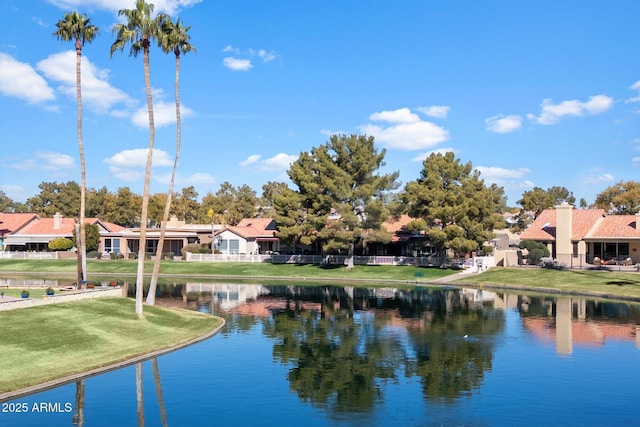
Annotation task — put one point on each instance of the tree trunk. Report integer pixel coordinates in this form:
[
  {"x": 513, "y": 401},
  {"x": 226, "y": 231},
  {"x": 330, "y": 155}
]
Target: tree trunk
[
  {"x": 78, "y": 415},
  {"x": 139, "y": 394},
  {"x": 151, "y": 296},
  {"x": 145, "y": 195},
  {"x": 350, "y": 257},
  {"x": 156, "y": 378},
  {"x": 83, "y": 180}
]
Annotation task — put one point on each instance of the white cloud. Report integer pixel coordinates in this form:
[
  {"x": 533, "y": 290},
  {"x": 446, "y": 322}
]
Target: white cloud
[
  {"x": 597, "y": 179},
  {"x": 167, "y": 6},
  {"x": 635, "y": 86},
  {"x": 164, "y": 114},
  {"x": 401, "y": 115},
  {"x": 199, "y": 178},
  {"x": 437, "y": 111},
  {"x": 129, "y": 165},
  {"x": 636, "y": 161},
  {"x": 97, "y": 93},
  {"x": 237, "y": 64},
  {"x": 503, "y": 124},
  {"x": 421, "y": 157},
  {"x": 406, "y": 131},
  {"x": 552, "y": 113},
  {"x": 15, "y": 192},
  {"x": 251, "y": 160},
  {"x": 499, "y": 175},
  {"x": 266, "y": 56},
  {"x": 20, "y": 80},
  {"x": 47, "y": 161},
  {"x": 278, "y": 163}
]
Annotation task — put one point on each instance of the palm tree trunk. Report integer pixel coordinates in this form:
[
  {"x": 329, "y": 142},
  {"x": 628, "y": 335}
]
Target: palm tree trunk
[
  {"x": 83, "y": 182},
  {"x": 156, "y": 378},
  {"x": 139, "y": 394},
  {"x": 151, "y": 296},
  {"x": 147, "y": 180}
]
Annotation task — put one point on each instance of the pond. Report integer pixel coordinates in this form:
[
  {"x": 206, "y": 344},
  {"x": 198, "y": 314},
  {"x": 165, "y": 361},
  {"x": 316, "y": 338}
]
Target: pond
[{"x": 341, "y": 355}]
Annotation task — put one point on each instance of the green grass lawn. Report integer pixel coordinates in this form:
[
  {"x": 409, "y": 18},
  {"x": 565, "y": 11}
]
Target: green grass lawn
[
  {"x": 264, "y": 269},
  {"x": 595, "y": 282},
  {"x": 33, "y": 293},
  {"x": 40, "y": 344}
]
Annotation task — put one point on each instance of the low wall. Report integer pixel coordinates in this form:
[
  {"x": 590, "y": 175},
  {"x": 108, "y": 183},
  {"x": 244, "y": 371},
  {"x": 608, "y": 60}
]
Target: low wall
[{"x": 60, "y": 298}]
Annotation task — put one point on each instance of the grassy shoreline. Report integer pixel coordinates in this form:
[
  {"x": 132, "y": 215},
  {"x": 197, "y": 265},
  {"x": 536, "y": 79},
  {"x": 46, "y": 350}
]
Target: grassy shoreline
[
  {"x": 80, "y": 337},
  {"x": 597, "y": 283},
  {"x": 221, "y": 269}
]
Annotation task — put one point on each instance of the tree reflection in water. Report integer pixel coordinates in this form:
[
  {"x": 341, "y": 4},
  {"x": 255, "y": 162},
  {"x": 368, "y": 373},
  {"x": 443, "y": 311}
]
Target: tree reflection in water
[{"x": 345, "y": 343}]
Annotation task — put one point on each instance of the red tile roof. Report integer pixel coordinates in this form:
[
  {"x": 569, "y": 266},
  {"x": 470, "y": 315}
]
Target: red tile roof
[
  {"x": 32, "y": 224},
  {"x": 253, "y": 227},
  {"x": 11, "y": 222},
  {"x": 616, "y": 226},
  {"x": 544, "y": 226}
]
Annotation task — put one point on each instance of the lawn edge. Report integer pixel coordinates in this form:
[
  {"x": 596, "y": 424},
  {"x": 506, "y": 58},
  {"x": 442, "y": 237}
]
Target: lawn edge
[{"x": 10, "y": 395}]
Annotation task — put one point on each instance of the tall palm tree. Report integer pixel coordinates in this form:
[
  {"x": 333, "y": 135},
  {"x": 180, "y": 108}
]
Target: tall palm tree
[
  {"x": 173, "y": 37},
  {"x": 79, "y": 28},
  {"x": 139, "y": 30}
]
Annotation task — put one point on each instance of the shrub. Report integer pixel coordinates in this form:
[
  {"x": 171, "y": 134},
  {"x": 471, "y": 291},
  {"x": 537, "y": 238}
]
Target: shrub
[
  {"x": 195, "y": 248},
  {"x": 60, "y": 244},
  {"x": 92, "y": 254},
  {"x": 167, "y": 255},
  {"x": 535, "y": 255},
  {"x": 487, "y": 250},
  {"x": 536, "y": 250}
]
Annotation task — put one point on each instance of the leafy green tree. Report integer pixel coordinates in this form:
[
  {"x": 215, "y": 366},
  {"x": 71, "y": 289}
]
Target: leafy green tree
[
  {"x": 92, "y": 239},
  {"x": 123, "y": 207},
  {"x": 622, "y": 198},
  {"x": 270, "y": 191},
  {"x": 97, "y": 203},
  {"x": 537, "y": 199},
  {"x": 60, "y": 244},
  {"x": 56, "y": 197},
  {"x": 186, "y": 205},
  {"x": 171, "y": 38},
  {"x": 230, "y": 204},
  {"x": 79, "y": 28},
  {"x": 340, "y": 194},
  {"x": 139, "y": 30},
  {"x": 459, "y": 210},
  {"x": 6, "y": 203}
]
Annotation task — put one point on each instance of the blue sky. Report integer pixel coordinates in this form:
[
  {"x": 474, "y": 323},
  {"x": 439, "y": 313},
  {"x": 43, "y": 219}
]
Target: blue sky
[{"x": 536, "y": 93}]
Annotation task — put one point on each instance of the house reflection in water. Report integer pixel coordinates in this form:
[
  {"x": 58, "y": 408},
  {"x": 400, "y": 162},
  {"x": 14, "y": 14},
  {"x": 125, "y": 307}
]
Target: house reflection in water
[{"x": 573, "y": 322}]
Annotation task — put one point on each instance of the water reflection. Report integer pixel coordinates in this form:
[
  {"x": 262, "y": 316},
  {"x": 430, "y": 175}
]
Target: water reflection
[
  {"x": 344, "y": 344},
  {"x": 340, "y": 355},
  {"x": 573, "y": 321}
]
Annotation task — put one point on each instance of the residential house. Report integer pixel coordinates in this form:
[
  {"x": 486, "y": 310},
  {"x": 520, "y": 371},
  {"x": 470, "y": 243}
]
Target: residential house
[
  {"x": 11, "y": 223},
  {"x": 250, "y": 236},
  {"x": 578, "y": 236},
  {"x": 30, "y": 232},
  {"x": 177, "y": 235}
]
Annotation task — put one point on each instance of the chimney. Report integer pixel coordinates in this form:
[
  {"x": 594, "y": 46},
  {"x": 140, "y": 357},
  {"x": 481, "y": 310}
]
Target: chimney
[
  {"x": 564, "y": 233},
  {"x": 57, "y": 221}
]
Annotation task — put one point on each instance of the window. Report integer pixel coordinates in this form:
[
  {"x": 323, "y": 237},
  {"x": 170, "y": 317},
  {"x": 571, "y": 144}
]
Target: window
[
  {"x": 597, "y": 249},
  {"x": 575, "y": 249},
  {"x": 623, "y": 249}
]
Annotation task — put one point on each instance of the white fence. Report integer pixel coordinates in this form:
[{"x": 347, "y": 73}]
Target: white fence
[
  {"x": 28, "y": 255},
  {"x": 316, "y": 259}
]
